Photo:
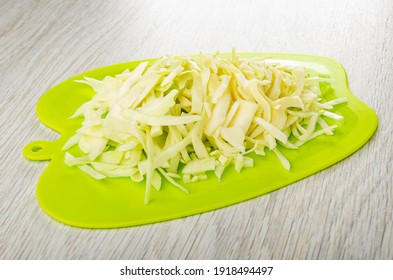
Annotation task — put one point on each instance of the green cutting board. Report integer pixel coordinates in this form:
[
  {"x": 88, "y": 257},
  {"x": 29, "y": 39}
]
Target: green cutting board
[{"x": 74, "y": 198}]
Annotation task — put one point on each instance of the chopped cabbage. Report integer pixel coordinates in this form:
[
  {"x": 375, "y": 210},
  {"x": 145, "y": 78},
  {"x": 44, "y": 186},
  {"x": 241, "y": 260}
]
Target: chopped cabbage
[{"x": 180, "y": 118}]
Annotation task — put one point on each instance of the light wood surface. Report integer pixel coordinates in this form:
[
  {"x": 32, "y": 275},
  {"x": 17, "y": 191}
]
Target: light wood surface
[{"x": 344, "y": 212}]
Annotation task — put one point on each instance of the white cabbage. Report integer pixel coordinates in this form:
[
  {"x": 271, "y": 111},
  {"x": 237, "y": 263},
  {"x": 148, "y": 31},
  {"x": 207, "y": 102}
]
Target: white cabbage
[{"x": 180, "y": 118}]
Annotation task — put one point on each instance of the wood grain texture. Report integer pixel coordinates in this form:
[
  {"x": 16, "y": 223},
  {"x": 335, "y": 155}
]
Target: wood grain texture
[{"x": 344, "y": 212}]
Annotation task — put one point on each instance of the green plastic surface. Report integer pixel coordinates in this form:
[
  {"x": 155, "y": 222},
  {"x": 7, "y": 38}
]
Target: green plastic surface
[{"x": 72, "y": 197}]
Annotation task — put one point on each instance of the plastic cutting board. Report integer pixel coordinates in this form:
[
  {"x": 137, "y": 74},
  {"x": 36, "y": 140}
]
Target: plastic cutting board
[{"x": 72, "y": 197}]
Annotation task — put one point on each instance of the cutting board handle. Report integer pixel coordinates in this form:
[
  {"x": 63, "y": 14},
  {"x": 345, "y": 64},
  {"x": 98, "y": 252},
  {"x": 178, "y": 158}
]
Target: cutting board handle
[{"x": 39, "y": 150}]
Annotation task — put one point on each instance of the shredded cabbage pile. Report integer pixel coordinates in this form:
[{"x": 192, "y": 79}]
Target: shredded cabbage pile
[{"x": 179, "y": 117}]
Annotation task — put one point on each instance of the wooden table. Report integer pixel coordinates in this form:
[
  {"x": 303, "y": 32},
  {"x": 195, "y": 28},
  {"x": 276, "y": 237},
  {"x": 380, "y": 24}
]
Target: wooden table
[{"x": 344, "y": 212}]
